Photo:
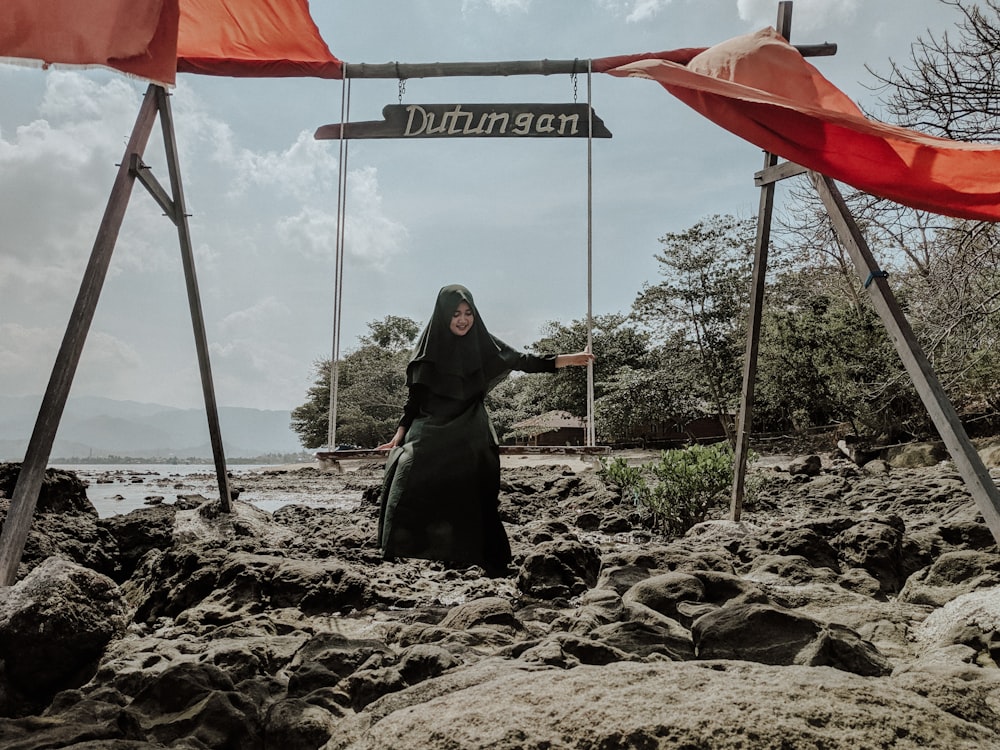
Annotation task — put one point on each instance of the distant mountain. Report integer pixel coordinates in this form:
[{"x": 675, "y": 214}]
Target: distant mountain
[{"x": 98, "y": 427}]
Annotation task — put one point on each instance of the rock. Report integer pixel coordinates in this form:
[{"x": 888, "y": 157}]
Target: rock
[
  {"x": 197, "y": 703},
  {"x": 769, "y": 635},
  {"x": 297, "y": 724},
  {"x": 913, "y": 455},
  {"x": 809, "y": 466},
  {"x": 620, "y": 578},
  {"x": 61, "y": 491},
  {"x": 969, "y": 619},
  {"x": 876, "y": 468},
  {"x": 423, "y": 661},
  {"x": 803, "y": 542},
  {"x": 722, "y": 705},
  {"x": 952, "y": 574},
  {"x": 137, "y": 533},
  {"x": 491, "y": 612},
  {"x": 54, "y": 627},
  {"x": 662, "y": 593},
  {"x": 875, "y": 546},
  {"x": 289, "y": 630},
  {"x": 559, "y": 569}
]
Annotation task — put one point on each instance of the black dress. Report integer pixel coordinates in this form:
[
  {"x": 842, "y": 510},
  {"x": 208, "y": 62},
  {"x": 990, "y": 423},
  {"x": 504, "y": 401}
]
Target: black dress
[{"x": 440, "y": 492}]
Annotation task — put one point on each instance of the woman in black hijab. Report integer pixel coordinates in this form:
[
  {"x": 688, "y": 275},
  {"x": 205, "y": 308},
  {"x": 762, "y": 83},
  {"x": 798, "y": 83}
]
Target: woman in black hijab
[{"x": 442, "y": 478}]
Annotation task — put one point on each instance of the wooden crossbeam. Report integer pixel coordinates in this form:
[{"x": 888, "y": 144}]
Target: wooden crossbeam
[{"x": 508, "y": 67}]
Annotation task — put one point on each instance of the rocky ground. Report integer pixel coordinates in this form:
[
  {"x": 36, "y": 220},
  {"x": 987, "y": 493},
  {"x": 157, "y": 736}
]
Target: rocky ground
[{"x": 851, "y": 607}]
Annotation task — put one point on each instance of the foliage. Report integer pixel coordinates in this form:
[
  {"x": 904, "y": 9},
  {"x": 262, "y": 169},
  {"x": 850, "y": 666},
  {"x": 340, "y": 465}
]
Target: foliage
[
  {"x": 825, "y": 359},
  {"x": 371, "y": 388},
  {"x": 634, "y": 400},
  {"x": 702, "y": 302},
  {"x": 943, "y": 271},
  {"x": 618, "y": 345},
  {"x": 680, "y": 488},
  {"x": 951, "y": 85}
]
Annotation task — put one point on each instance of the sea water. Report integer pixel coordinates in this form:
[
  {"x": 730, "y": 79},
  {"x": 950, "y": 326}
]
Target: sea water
[{"x": 115, "y": 489}]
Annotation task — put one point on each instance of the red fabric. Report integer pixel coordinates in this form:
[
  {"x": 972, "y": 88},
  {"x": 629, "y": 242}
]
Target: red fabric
[
  {"x": 252, "y": 38},
  {"x": 138, "y": 37},
  {"x": 153, "y": 39},
  {"x": 682, "y": 56},
  {"x": 761, "y": 89}
]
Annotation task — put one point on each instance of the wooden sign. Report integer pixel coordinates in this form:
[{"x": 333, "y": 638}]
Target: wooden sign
[{"x": 473, "y": 121}]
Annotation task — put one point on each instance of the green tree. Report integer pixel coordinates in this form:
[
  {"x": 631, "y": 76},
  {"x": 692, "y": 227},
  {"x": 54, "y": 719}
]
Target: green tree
[
  {"x": 701, "y": 303},
  {"x": 826, "y": 359},
  {"x": 943, "y": 271},
  {"x": 371, "y": 388},
  {"x": 617, "y": 343}
]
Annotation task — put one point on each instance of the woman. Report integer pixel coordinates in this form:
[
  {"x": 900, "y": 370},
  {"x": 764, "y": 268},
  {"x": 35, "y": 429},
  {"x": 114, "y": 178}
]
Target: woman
[{"x": 442, "y": 478}]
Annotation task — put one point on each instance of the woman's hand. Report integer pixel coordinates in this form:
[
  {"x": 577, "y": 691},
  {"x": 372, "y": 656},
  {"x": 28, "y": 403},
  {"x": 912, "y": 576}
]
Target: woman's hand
[
  {"x": 579, "y": 359},
  {"x": 396, "y": 440}
]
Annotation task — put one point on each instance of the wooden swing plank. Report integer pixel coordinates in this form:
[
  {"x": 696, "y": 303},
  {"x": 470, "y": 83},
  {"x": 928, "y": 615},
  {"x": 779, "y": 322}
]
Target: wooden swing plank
[{"x": 505, "y": 450}]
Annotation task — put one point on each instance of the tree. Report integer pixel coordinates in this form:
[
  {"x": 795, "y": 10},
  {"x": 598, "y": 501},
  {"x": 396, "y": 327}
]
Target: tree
[
  {"x": 616, "y": 342},
  {"x": 943, "y": 270},
  {"x": 951, "y": 85},
  {"x": 826, "y": 358},
  {"x": 371, "y": 388},
  {"x": 702, "y": 302}
]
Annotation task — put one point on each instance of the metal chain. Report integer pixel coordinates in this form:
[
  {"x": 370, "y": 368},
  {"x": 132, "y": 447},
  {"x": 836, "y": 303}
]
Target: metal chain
[
  {"x": 573, "y": 78},
  {"x": 402, "y": 89}
]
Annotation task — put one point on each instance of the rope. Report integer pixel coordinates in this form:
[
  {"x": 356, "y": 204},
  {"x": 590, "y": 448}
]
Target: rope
[
  {"x": 338, "y": 282},
  {"x": 591, "y": 432}
]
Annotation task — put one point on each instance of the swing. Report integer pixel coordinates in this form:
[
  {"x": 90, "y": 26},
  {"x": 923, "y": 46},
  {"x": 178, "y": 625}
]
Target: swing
[{"x": 474, "y": 123}]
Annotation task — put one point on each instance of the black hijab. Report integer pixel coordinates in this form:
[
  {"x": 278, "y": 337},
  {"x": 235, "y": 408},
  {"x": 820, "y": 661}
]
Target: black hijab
[{"x": 458, "y": 367}]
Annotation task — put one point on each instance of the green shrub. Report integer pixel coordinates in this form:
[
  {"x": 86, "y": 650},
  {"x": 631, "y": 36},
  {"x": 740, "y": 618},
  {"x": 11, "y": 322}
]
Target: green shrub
[
  {"x": 680, "y": 488},
  {"x": 690, "y": 482},
  {"x": 629, "y": 479}
]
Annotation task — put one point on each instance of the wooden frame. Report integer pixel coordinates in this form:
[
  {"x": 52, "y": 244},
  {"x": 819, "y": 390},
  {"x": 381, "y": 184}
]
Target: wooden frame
[
  {"x": 29, "y": 482},
  {"x": 943, "y": 415}
]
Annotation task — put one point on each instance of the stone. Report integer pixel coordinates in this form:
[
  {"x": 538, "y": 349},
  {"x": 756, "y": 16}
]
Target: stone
[{"x": 54, "y": 627}]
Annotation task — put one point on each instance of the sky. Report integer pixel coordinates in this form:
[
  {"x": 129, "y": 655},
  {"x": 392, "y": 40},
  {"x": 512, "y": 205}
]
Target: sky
[{"x": 505, "y": 217}]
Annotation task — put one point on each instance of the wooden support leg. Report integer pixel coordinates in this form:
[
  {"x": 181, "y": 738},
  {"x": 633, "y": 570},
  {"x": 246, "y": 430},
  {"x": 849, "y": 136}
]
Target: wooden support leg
[
  {"x": 764, "y": 214},
  {"x": 949, "y": 426},
  {"x": 180, "y": 219},
  {"x": 29, "y": 481}
]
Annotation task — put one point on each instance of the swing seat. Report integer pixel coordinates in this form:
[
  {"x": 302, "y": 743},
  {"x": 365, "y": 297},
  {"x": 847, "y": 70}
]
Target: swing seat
[
  {"x": 545, "y": 450},
  {"x": 332, "y": 459}
]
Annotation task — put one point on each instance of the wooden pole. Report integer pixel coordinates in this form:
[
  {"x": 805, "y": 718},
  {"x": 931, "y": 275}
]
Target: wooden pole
[
  {"x": 180, "y": 219},
  {"x": 765, "y": 212},
  {"x": 509, "y": 67},
  {"x": 36, "y": 458},
  {"x": 949, "y": 426}
]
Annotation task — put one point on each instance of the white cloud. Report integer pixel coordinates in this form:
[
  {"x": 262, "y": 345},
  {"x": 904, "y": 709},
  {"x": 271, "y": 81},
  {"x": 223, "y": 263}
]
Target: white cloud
[
  {"x": 636, "y": 11},
  {"x": 369, "y": 235},
  {"x": 28, "y": 352},
  {"x": 304, "y": 170},
  {"x": 268, "y": 308},
  {"x": 251, "y": 375},
  {"x": 499, "y": 6},
  {"x": 807, "y": 15},
  {"x": 54, "y": 169}
]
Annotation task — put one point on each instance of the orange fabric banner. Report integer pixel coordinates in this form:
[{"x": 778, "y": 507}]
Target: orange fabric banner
[
  {"x": 153, "y": 39},
  {"x": 760, "y": 88},
  {"x": 138, "y": 37},
  {"x": 252, "y": 38}
]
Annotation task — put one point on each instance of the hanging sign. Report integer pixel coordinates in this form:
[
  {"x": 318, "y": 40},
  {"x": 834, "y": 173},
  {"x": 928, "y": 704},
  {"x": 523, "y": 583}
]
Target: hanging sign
[{"x": 473, "y": 121}]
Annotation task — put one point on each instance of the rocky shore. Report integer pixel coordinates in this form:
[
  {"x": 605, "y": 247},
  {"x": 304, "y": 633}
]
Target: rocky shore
[{"x": 851, "y": 607}]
